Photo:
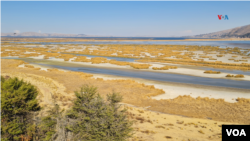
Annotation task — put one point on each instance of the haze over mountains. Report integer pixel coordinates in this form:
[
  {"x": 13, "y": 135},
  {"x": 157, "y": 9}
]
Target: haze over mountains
[
  {"x": 35, "y": 34},
  {"x": 242, "y": 32}
]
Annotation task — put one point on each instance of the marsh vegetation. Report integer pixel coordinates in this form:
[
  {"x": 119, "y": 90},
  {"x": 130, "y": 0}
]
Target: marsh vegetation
[{"x": 208, "y": 56}]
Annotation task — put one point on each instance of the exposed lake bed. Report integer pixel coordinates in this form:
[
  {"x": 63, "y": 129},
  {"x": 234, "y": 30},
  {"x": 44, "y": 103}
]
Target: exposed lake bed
[{"x": 164, "y": 81}]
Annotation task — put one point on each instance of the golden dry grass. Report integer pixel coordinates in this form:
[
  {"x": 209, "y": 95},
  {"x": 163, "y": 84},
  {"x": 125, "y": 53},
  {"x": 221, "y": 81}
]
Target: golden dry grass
[
  {"x": 212, "y": 72},
  {"x": 228, "y": 75},
  {"x": 29, "y": 66},
  {"x": 239, "y": 76},
  {"x": 164, "y": 68},
  {"x": 120, "y": 63},
  {"x": 81, "y": 59},
  {"x": 139, "y": 66},
  {"x": 138, "y": 94},
  {"x": 98, "y": 60},
  {"x": 161, "y": 54},
  {"x": 236, "y": 76}
]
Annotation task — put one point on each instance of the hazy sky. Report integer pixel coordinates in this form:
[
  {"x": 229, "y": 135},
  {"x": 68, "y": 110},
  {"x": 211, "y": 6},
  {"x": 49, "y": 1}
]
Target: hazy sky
[{"x": 114, "y": 18}]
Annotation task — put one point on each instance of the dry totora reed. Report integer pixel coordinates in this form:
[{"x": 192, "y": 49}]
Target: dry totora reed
[
  {"x": 140, "y": 66},
  {"x": 239, "y": 76},
  {"x": 229, "y": 75},
  {"x": 212, "y": 72},
  {"x": 164, "y": 68}
]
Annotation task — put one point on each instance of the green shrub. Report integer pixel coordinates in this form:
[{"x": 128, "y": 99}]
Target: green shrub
[
  {"x": 92, "y": 118},
  {"x": 47, "y": 126},
  {"x": 18, "y": 99},
  {"x": 2, "y": 79}
]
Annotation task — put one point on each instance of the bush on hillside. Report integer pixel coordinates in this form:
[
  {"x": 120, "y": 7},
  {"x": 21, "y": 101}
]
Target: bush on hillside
[
  {"x": 18, "y": 100},
  {"x": 90, "y": 118},
  {"x": 93, "y": 118}
]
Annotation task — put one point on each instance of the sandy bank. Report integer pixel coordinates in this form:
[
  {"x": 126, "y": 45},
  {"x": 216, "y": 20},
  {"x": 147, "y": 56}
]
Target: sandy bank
[
  {"x": 179, "y": 70},
  {"x": 151, "y": 125},
  {"x": 173, "y": 90},
  {"x": 138, "y": 94}
]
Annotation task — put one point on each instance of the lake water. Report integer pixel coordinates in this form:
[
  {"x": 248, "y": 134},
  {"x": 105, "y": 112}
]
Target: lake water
[
  {"x": 156, "y": 76},
  {"x": 167, "y": 77},
  {"x": 222, "y": 44}
]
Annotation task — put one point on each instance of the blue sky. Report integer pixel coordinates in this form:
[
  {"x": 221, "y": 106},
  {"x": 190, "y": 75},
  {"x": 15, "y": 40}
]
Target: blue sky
[{"x": 115, "y": 18}]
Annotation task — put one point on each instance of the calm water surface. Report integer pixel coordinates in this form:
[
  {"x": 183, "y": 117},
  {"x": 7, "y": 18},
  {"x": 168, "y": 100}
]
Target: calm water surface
[
  {"x": 222, "y": 44},
  {"x": 167, "y": 77}
]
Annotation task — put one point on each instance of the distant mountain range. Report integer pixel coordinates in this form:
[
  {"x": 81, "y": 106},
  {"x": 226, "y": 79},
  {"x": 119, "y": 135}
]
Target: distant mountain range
[
  {"x": 242, "y": 32},
  {"x": 35, "y": 34}
]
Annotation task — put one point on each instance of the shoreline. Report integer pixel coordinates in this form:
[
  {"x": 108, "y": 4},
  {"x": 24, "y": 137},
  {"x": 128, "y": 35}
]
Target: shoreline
[
  {"x": 138, "y": 94},
  {"x": 174, "y": 89},
  {"x": 156, "y": 118},
  {"x": 181, "y": 70}
]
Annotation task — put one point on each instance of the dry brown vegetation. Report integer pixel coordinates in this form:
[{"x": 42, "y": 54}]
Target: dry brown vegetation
[
  {"x": 236, "y": 76},
  {"x": 239, "y": 76},
  {"x": 120, "y": 63},
  {"x": 138, "y": 94},
  {"x": 243, "y": 66},
  {"x": 29, "y": 66},
  {"x": 164, "y": 68},
  {"x": 156, "y": 126},
  {"x": 212, "y": 72},
  {"x": 176, "y": 54},
  {"x": 81, "y": 59},
  {"x": 98, "y": 60},
  {"x": 244, "y": 60},
  {"x": 139, "y": 66},
  {"x": 228, "y": 75},
  {"x": 219, "y": 55}
]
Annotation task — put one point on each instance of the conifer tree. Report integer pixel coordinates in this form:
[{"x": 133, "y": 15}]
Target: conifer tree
[
  {"x": 92, "y": 118},
  {"x": 18, "y": 99}
]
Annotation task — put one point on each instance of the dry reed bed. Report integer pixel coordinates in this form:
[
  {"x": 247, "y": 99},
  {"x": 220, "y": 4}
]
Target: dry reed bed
[
  {"x": 236, "y": 76},
  {"x": 242, "y": 66},
  {"x": 81, "y": 59},
  {"x": 212, "y": 72},
  {"x": 139, "y": 66},
  {"x": 164, "y": 68},
  {"x": 155, "y": 50},
  {"x": 160, "y": 52},
  {"x": 137, "y": 94},
  {"x": 98, "y": 60},
  {"x": 120, "y": 63}
]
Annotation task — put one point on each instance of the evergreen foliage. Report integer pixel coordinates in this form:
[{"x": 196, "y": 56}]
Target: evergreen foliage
[
  {"x": 47, "y": 127},
  {"x": 2, "y": 79},
  {"x": 18, "y": 99},
  {"x": 92, "y": 118}
]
